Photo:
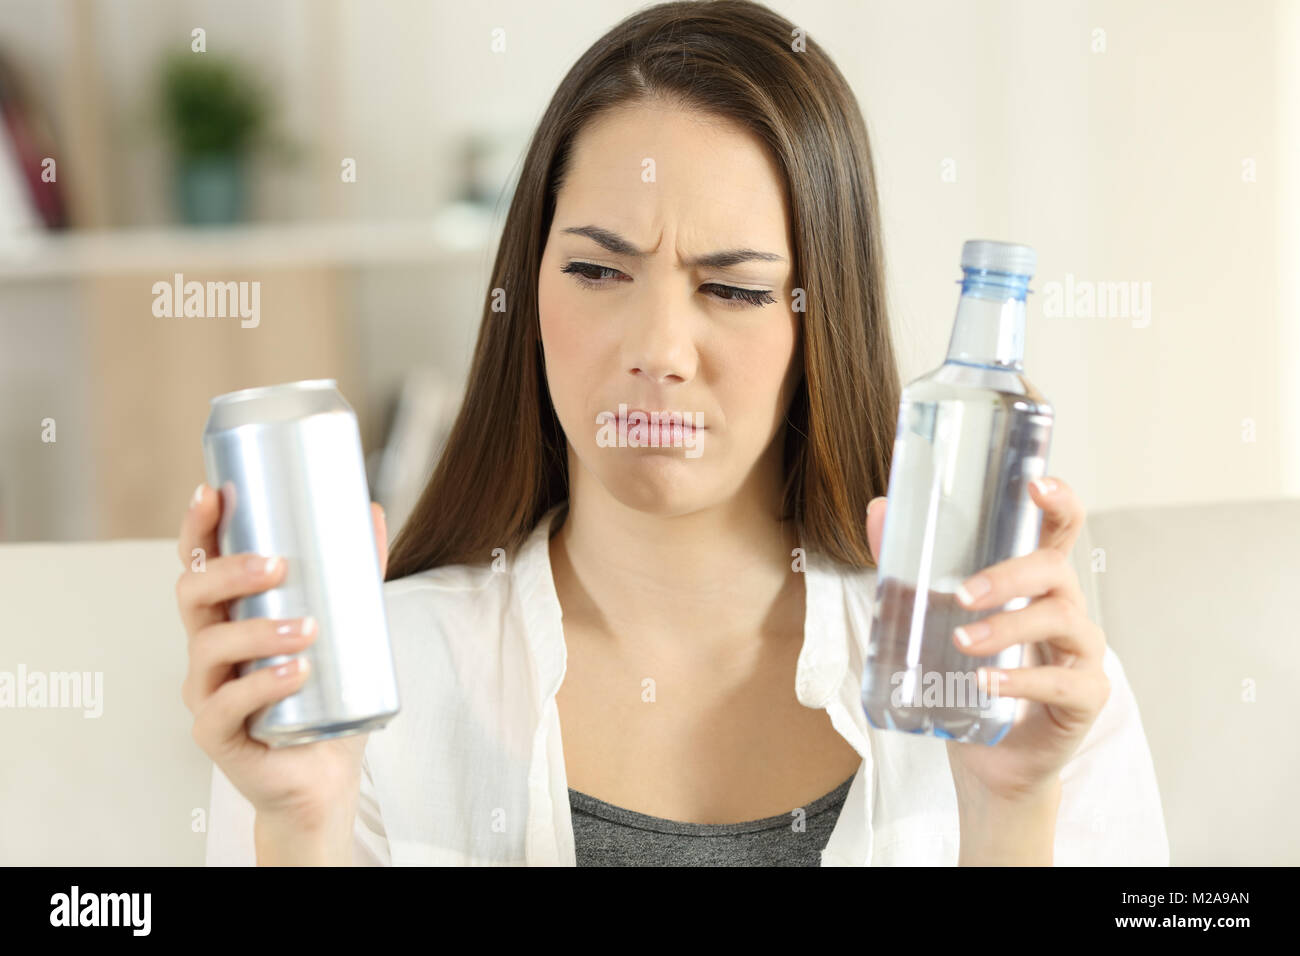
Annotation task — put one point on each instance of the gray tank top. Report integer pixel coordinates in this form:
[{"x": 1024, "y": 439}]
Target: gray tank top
[{"x": 606, "y": 835}]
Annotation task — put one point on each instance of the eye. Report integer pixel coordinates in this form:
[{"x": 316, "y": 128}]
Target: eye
[
  {"x": 729, "y": 293},
  {"x": 588, "y": 274},
  {"x": 593, "y": 276}
]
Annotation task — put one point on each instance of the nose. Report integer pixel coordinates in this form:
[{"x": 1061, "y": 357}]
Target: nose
[{"x": 659, "y": 344}]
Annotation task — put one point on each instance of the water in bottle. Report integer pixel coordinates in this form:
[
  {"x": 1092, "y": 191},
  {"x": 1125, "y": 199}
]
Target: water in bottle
[{"x": 971, "y": 436}]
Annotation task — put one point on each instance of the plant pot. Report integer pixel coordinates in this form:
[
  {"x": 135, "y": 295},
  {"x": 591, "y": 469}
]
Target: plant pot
[{"x": 210, "y": 189}]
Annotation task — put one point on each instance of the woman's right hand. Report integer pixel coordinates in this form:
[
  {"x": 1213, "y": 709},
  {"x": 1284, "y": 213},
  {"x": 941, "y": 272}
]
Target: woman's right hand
[{"x": 304, "y": 789}]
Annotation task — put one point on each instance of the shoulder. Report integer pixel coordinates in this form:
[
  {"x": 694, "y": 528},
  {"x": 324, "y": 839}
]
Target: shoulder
[
  {"x": 855, "y": 582},
  {"x": 840, "y": 592},
  {"x": 450, "y": 585},
  {"x": 431, "y": 612}
]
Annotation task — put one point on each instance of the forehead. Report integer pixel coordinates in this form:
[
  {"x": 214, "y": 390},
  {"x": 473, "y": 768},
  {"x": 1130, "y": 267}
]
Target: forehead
[{"x": 641, "y": 168}]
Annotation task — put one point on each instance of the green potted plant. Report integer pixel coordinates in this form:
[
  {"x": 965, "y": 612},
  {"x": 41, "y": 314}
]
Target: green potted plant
[{"x": 214, "y": 113}]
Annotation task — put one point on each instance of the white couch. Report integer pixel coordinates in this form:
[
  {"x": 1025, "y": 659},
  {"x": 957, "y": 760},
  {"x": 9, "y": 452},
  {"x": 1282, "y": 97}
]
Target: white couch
[{"x": 1193, "y": 599}]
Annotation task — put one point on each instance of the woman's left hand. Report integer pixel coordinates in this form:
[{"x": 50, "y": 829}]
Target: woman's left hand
[{"x": 1062, "y": 680}]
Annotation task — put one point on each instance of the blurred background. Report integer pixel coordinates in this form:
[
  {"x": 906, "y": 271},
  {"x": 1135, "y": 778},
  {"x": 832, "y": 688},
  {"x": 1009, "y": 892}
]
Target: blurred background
[{"x": 356, "y": 159}]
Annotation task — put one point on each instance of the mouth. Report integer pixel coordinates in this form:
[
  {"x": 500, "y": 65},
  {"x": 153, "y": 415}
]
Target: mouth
[
  {"x": 658, "y": 428},
  {"x": 691, "y": 420}
]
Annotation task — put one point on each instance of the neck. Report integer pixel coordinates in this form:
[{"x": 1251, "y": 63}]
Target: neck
[
  {"x": 989, "y": 328},
  {"x": 707, "y": 580}
]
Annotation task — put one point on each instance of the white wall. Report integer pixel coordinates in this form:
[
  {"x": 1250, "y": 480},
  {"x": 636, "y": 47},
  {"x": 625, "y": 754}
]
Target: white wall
[
  {"x": 1118, "y": 165},
  {"x": 1123, "y": 165}
]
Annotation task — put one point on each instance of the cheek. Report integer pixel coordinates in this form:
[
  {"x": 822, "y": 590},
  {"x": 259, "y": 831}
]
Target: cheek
[
  {"x": 758, "y": 367},
  {"x": 569, "y": 341}
]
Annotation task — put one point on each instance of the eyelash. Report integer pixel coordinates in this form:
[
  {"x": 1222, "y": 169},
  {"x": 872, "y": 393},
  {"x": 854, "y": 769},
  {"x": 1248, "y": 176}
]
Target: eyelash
[{"x": 749, "y": 297}]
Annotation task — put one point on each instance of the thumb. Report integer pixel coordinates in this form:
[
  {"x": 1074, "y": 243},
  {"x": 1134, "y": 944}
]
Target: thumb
[
  {"x": 381, "y": 536},
  {"x": 876, "y": 525}
]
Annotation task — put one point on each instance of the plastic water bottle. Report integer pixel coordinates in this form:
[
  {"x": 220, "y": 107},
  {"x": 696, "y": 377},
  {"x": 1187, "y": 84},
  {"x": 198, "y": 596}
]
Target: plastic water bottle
[{"x": 971, "y": 436}]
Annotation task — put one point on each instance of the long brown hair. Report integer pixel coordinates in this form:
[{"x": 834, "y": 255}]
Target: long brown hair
[{"x": 505, "y": 463}]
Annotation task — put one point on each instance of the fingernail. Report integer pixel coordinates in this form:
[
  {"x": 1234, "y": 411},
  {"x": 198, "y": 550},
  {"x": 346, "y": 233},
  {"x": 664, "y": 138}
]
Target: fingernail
[
  {"x": 303, "y": 626},
  {"x": 872, "y": 504},
  {"x": 295, "y": 666},
  {"x": 198, "y": 495},
  {"x": 1045, "y": 486},
  {"x": 257, "y": 565},
  {"x": 972, "y": 589},
  {"x": 970, "y": 633}
]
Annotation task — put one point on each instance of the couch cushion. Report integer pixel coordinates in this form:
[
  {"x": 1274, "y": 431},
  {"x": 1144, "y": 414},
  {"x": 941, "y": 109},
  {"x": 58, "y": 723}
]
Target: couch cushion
[
  {"x": 1198, "y": 603},
  {"x": 1210, "y": 649},
  {"x": 120, "y": 788}
]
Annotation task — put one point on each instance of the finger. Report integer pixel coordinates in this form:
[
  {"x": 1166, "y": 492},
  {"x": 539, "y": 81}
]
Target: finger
[
  {"x": 199, "y": 526},
  {"x": 1052, "y": 619},
  {"x": 1041, "y": 572},
  {"x": 1063, "y": 513},
  {"x": 219, "y": 724},
  {"x": 381, "y": 536},
  {"x": 216, "y": 649},
  {"x": 1075, "y": 696},
  {"x": 876, "y": 526},
  {"x": 202, "y": 595}
]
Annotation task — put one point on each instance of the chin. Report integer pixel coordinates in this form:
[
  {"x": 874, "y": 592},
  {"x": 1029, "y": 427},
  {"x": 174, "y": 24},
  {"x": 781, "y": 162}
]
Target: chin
[{"x": 658, "y": 482}]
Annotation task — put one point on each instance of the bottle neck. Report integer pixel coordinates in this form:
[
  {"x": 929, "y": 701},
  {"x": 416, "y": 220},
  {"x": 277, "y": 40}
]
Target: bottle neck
[{"x": 990, "y": 326}]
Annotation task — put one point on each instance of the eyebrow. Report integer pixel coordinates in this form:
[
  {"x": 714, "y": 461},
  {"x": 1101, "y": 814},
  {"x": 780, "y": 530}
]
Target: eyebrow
[{"x": 717, "y": 260}]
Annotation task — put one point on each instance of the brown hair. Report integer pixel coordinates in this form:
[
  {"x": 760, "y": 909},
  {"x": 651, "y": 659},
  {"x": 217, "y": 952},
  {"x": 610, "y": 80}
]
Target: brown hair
[{"x": 505, "y": 462}]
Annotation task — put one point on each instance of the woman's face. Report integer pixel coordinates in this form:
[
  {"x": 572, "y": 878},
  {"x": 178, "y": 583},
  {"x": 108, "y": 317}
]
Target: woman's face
[{"x": 674, "y": 297}]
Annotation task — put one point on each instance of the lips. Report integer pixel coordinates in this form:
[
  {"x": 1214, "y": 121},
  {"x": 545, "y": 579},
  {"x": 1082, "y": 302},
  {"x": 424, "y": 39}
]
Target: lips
[
  {"x": 661, "y": 428},
  {"x": 635, "y": 416}
]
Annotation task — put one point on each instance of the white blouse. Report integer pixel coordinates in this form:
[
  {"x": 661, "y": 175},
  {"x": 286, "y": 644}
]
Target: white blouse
[{"x": 471, "y": 771}]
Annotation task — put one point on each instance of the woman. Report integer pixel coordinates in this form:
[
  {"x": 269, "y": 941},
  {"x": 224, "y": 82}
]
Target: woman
[{"x": 695, "y": 231}]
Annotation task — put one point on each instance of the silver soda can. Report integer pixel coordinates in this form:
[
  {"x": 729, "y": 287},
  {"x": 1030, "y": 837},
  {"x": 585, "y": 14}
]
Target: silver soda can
[{"x": 287, "y": 461}]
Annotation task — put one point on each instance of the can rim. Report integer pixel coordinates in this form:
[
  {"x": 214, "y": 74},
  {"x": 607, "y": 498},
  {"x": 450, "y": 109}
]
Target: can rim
[{"x": 261, "y": 391}]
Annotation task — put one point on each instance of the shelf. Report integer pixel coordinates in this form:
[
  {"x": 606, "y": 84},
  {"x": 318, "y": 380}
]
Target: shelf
[{"x": 461, "y": 233}]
